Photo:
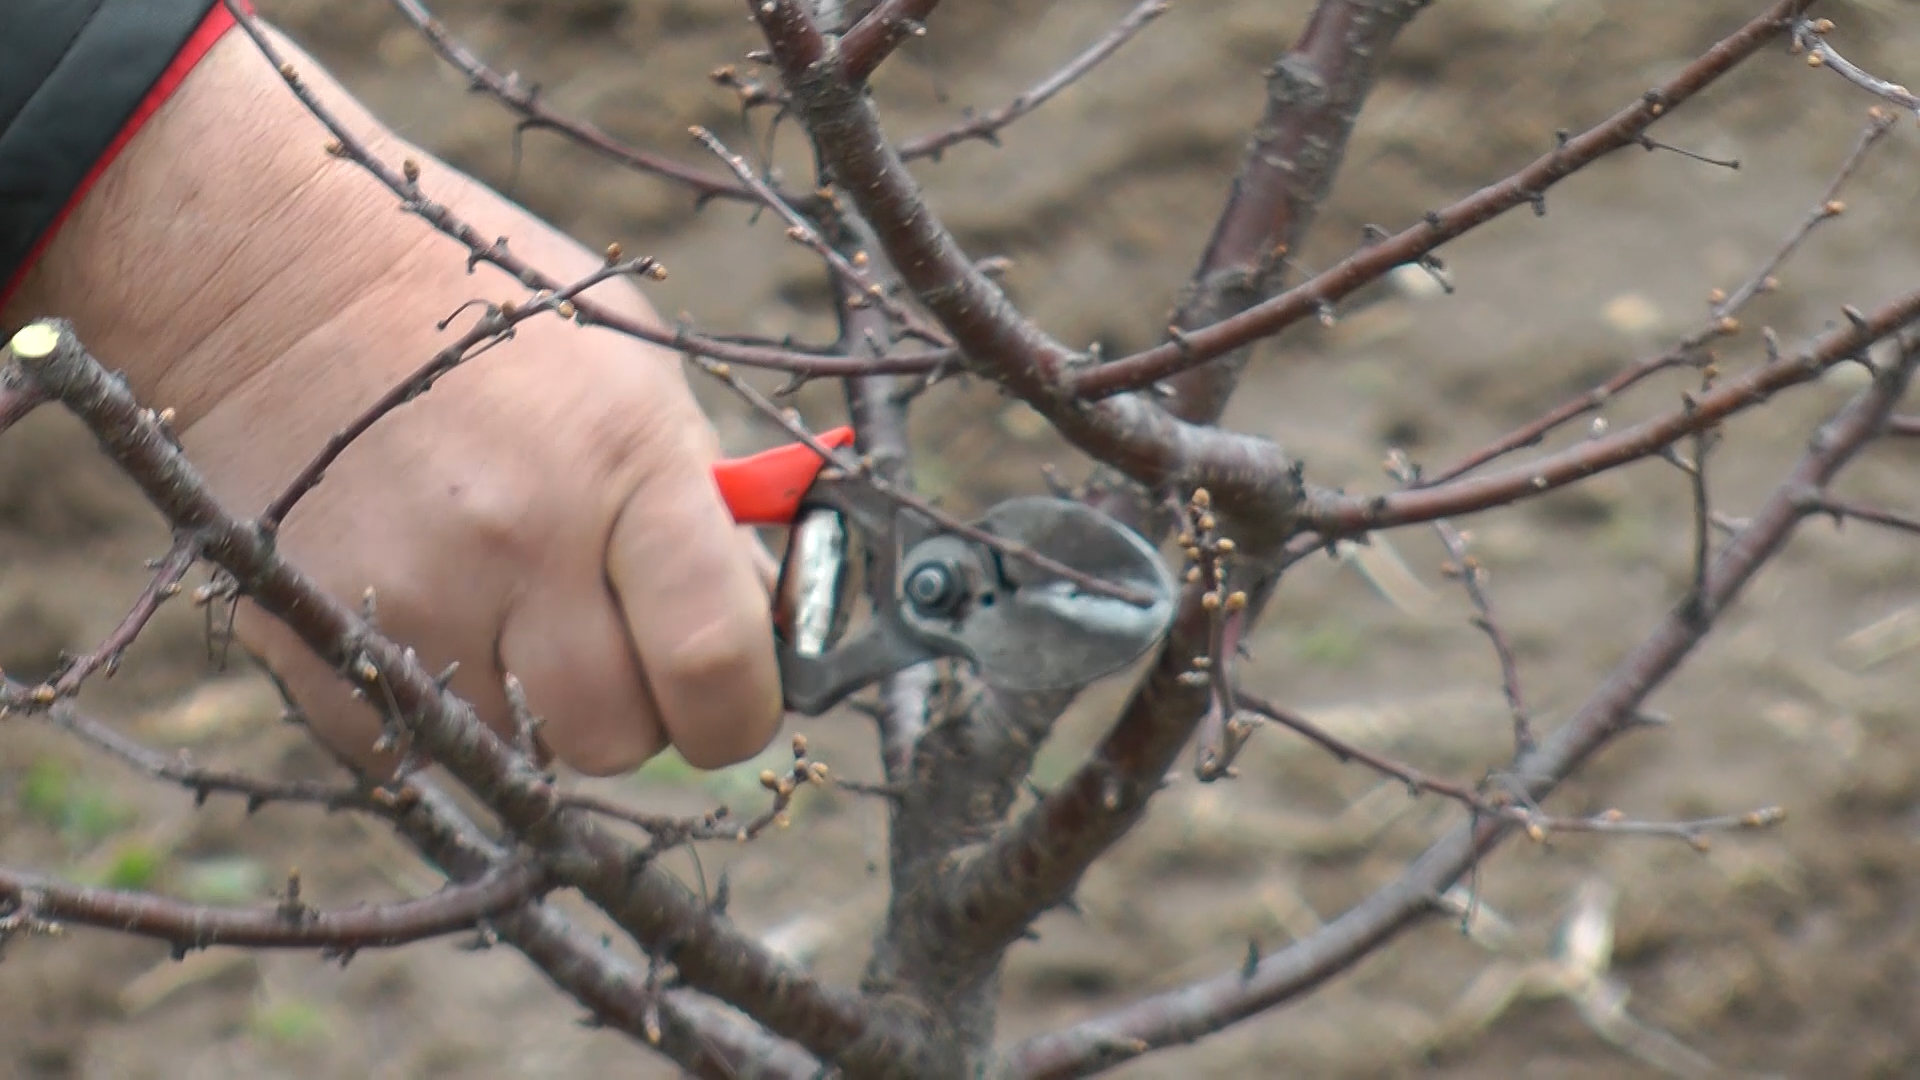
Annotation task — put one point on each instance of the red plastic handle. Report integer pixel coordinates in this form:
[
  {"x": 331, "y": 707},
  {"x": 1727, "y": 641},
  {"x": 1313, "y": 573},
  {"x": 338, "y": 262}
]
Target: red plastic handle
[{"x": 765, "y": 488}]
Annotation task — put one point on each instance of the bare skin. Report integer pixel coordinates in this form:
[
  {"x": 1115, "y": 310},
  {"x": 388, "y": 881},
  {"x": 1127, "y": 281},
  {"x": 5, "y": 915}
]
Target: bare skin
[{"x": 547, "y": 510}]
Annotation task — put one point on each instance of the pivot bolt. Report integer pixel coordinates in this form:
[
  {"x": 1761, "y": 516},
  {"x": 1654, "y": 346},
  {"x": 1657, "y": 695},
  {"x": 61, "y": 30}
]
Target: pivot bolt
[{"x": 933, "y": 589}]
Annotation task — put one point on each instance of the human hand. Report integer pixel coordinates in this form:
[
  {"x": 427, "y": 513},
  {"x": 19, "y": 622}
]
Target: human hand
[{"x": 547, "y": 510}]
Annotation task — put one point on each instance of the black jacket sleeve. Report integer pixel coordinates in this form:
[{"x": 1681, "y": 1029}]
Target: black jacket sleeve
[{"x": 72, "y": 74}]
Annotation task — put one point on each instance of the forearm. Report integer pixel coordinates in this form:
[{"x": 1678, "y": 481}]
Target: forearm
[{"x": 225, "y": 241}]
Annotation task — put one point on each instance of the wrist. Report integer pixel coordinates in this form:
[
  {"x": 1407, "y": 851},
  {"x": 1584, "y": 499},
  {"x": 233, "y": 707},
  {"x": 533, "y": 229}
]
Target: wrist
[{"x": 222, "y": 236}]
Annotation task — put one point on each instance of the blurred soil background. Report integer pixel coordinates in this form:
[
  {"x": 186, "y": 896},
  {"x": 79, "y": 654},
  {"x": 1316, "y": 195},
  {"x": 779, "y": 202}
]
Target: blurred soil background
[{"x": 1786, "y": 953}]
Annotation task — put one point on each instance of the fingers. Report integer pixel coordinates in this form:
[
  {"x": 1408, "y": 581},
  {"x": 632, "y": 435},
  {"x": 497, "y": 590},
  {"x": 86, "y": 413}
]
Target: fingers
[
  {"x": 695, "y": 601},
  {"x": 566, "y": 643}
]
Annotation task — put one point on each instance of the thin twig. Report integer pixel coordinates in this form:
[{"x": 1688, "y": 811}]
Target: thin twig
[
  {"x": 203, "y": 782},
  {"x": 669, "y": 831},
  {"x": 1333, "y": 516},
  {"x": 1696, "y": 470},
  {"x": 1499, "y": 805},
  {"x": 1842, "y": 509},
  {"x": 495, "y": 325},
  {"x": 987, "y": 126},
  {"x": 164, "y": 586},
  {"x": 524, "y": 101},
  {"x": 1723, "y": 321},
  {"x": 1473, "y": 578},
  {"x": 1222, "y": 731},
  {"x": 803, "y": 231}
]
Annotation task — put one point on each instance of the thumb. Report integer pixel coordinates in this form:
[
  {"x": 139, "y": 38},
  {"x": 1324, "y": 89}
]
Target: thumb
[{"x": 695, "y": 601}]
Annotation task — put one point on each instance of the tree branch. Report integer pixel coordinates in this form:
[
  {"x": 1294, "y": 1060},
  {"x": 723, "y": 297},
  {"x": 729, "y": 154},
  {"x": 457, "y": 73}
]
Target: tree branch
[
  {"x": 864, "y": 290},
  {"x": 289, "y": 924},
  {"x": 884, "y": 29},
  {"x": 1842, "y": 509},
  {"x": 1810, "y": 35},
  {"x": 495, "y": 253},
  {"x": 705, "y": 1039},
  {"x": 164, "y": 586},
  {"x": 987, "y": 126},
  {"x": 1723, "y": 320},
  {"x": 524, "y": 101},
  {"x": 495, "y": 325},
  {"x": 657, "y": 910},
  {"x": 1134, "y": 436},
  {"x": 1037, "y": 862},
  {"x": 1332, "y": 516},
  {"x": 180, "y": 768},
  {"x": 1526, "y": 187},
  {"x": 18, "y": 397},
  {"x": 1190, "y": 1013}
]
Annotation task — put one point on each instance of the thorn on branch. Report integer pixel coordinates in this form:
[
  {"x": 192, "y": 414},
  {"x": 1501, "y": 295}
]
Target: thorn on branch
[
  {"x": 291, "y": 908},
  {"x": 1649, "y": 144},
  {"x": 526, "y": 726}
]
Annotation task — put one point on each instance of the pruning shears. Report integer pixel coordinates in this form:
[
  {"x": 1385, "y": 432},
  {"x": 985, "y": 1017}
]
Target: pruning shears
[{"x": 1023, "y": 627}]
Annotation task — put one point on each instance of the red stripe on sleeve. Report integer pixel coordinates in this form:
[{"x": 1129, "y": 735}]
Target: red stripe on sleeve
[{"x": 219, "y": 20}]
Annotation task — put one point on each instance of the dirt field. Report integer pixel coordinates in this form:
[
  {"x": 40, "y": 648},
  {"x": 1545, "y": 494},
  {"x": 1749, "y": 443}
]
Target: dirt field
[{"x": 1789, "y": 953}]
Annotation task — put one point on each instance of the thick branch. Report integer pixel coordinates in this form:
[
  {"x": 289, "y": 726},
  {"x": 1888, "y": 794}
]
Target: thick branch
[
  {"x": 1138, "y": 438},
  {"x": 1037, "y": 863},
  {"x": 1314, "y": 96}
]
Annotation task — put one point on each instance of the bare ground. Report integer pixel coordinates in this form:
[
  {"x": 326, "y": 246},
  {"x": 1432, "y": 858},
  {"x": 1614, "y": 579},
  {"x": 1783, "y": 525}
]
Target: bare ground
[{"x": 1788, "y": 953}]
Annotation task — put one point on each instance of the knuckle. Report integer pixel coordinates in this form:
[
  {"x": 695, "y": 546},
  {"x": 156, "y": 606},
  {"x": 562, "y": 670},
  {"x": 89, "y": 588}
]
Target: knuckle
[
  {"x": 492, "y": 512},
  {"x": 717, "y": 676}
]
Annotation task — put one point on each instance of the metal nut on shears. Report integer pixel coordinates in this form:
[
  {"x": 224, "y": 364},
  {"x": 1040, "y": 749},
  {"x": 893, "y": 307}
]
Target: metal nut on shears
[{"x": 935, "y": 589}]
